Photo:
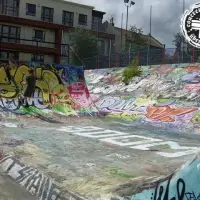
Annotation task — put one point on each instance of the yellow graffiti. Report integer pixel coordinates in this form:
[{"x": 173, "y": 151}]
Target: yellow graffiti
[
  {"x": 48, "y": 83},
  {"x": 144, "y": 101}
]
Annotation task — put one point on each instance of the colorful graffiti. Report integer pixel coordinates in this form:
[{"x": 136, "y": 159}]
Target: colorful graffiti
[
  {"x": 55, "y": 87},
  {"x": 167, "y": 96},
  {"x": 178, "y": 185}
]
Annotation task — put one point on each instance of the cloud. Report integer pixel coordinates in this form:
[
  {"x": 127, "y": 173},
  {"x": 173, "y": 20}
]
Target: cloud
[{"x": 166, "y": 15}]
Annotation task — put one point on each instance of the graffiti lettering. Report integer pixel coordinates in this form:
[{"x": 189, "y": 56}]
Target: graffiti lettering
[
  {"x": 116, "y": 104},
  {"x": 167, "y": 114},
  {"x": 192, "y": 196},
  {"x": 31, "y": 179},
  {"x": 131, "y": 141},
  {"x": 160, "y": 194}
]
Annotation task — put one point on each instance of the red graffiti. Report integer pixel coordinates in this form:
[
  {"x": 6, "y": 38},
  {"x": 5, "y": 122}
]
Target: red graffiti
[
  {"x": 166, "y": 114},
  {"x": 80, "y": 93},
  {"x": 192, "y": 68}
]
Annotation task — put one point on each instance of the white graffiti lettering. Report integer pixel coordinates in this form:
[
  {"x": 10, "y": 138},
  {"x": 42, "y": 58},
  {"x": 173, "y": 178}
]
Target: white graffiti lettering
[
  {"x": 124, "y": 139},
  {"x": 116, "y": 104},
  {"x": 14, "y": 104},
  {"x": 31, "y": 179}
]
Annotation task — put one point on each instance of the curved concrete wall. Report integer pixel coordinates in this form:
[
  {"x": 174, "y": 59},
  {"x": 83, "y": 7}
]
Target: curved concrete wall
[{"x": 164, "y": 96}]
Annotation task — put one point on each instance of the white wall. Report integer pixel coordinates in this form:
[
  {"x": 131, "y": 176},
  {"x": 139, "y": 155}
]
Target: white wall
[{"x": 58, "y": 6}]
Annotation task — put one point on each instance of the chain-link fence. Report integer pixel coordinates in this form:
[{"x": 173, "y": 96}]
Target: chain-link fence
[{"x": 146, "y": 57}]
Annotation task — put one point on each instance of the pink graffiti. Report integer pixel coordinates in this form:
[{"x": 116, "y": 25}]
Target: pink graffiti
[
  {"x": 192, "y": 86},
  {"x": 80, "y": 93}
]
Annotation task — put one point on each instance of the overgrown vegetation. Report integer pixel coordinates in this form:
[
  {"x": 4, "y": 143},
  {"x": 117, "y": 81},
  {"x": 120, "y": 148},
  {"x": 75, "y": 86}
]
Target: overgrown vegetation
[
  {"x": 132, "y": 70},
  {"x": 135, "y": 40},
  {"x": 84, "y": 45}
]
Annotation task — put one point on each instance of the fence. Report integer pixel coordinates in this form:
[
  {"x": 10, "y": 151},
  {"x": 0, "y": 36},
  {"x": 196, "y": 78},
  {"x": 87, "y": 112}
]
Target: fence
[
  {"x": 146, "y": 57},
  {"x": 151, "y": 57}
]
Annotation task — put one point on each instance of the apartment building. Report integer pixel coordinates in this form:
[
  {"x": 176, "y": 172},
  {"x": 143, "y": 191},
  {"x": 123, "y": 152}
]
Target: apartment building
[{"x": 38, "y": 30}]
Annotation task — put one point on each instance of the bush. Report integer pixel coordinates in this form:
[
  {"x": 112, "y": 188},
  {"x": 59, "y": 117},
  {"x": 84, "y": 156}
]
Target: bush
[{"x": 131, "y": 71}]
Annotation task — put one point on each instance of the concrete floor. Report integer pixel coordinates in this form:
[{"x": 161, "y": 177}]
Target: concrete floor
[
  {"x": 93, "y": 167},
  {"x": 12, "y": 191}
]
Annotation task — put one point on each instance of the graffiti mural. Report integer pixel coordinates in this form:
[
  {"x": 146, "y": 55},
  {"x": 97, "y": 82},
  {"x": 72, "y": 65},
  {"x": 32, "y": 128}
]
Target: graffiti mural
[
  {"x": 62, "y": 88},
  {"x": 166, "y": 96},
  {"x": 178, "y": 185},
  {"x": 32, "y": 180}
]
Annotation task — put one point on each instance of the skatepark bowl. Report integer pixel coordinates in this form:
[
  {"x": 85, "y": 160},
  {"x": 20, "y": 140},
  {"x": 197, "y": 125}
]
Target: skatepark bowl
[{"x": 87, "y": 135}]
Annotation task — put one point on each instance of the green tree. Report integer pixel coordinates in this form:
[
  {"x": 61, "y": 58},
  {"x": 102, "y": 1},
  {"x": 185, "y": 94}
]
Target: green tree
[
  {"x": 135, "y": 39},
  {"x": 187, "y": 52},
  {"x": 84, "y": 46}
]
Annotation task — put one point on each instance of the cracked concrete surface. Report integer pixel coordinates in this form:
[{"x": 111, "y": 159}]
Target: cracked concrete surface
[{"x": 88, "y": 166}]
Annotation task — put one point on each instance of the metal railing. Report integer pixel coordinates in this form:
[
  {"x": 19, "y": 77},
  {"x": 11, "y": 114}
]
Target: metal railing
[{"x": 32, "y": 42}]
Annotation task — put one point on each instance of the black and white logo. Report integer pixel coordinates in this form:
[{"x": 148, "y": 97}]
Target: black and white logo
[{"x": 190, "y": 25}]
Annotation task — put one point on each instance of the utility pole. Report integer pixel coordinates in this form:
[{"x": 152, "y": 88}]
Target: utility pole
[
  {"x": 127, "y": 4},
  {"x": 149, "y": 46}
]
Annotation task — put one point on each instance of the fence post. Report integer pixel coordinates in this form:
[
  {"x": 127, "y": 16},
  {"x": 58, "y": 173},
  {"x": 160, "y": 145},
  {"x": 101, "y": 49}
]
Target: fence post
[
  {"x": 138, "y": 58},
  {"x": 193, "y": 55},
  {"x": 163, "y": 60},
  {"x": 98, "y": 62},
  {"x": 117, "y": 61}
]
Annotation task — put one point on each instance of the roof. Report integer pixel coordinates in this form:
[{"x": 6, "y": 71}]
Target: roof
[
  {"x": 148, "y": 40},
  {"x": 76, "y": 4},
  {"x": 99, "y": 11},
  {"x": 152, "y": 41}
]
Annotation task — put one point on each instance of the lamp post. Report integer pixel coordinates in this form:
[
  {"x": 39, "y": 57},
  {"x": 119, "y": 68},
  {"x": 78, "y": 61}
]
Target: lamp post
[
  {"x": 128, "y": 5},
  {"x": 182, "y": 46}
]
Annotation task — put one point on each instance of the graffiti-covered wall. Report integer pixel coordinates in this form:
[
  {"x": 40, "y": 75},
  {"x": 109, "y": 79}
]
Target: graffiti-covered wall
[
  {"x": 165, "y": 96},
  {"x": 61, "y": 88}
]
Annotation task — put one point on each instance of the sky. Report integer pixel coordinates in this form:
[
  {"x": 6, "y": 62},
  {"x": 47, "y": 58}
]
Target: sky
[{"x": 166, "y": 15}]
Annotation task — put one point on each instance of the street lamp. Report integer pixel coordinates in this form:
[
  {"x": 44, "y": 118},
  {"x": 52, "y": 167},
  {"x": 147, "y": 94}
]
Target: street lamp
[{"x": 127, "y": 4}]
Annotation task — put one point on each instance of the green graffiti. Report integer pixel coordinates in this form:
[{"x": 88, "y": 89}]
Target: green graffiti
[
  {"x": 117, "y": 172},
  {"x": 196, "y": 119},
  {"x": 63, "y": 108}
]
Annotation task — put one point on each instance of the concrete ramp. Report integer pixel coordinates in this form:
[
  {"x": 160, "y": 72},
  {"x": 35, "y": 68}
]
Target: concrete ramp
[{"x": 182, "y": 184}]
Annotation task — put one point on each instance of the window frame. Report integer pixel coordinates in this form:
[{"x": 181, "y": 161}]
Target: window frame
[
  {"x": 65, "y": 21},
  {"x": 34, "y": 58},
  {"x": 6, "y": 7},
  {"x": 9, "y": 37},
  {"x": 47, "y": 17},
  {"x": 27, "y": 9},
  {"x": 15, "y": 53},
  {"x": 38, "y": 39},
  {"x": 81, "y": 22}
]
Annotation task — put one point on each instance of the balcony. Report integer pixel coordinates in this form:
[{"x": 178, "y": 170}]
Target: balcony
[{"x": 25, "y": 45}]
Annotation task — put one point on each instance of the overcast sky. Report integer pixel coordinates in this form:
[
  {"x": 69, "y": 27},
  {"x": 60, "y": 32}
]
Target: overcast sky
[{"x": 166, "y": 15}]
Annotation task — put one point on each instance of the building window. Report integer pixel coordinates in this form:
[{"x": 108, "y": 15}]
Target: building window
[
  {"x": 8, "y": 55},
  {"x": 9, "y": 7},
  {"x": 68, "y": 18},
  {"x": 47, "y": 14},
  {"x": 10, "y": 34},
  {"x": 65, "y": 50},
  {"x": 96, "y": 23},
  {"x": 37, "y": 58},
  {"x": 39, "y": 35},
  {"x": 82, "y": 19},
  {"x": 101, "y": 46},
  {"x": 30, "y": 9}
]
